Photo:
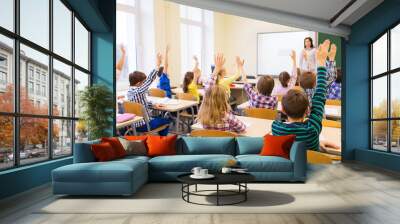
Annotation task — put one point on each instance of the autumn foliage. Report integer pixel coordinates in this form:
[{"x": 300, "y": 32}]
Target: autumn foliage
[
  {"x": 380, "y": 127},
  {"x": 33, "y": 131}
]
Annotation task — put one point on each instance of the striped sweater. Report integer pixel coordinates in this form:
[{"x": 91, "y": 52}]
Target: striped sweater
[{"x": 309, "y": 130}]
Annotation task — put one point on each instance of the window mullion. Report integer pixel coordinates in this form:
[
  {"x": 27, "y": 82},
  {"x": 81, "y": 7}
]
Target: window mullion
[
  {"x": 16, "y": 85},
  {"x": 389, "y": 148},
  {"x": 73, "y": 82},
  {"x": 50, "y": 81}
]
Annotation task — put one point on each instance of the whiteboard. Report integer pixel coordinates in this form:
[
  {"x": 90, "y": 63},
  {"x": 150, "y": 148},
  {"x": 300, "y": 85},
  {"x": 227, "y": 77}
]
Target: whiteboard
[{"x": 273, "y": 50}]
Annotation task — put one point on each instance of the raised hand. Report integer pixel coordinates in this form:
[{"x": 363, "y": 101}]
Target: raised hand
[
  {"x": 123, "y": 51},
  {"x": 159, "y": 59},
  {"x": 239, "y": 62},
  {"x": 304, "y": 54},
  {"x": 322, "y": 52},
  {"x": 332, "y": 53},
  {"x": 219, "y": 61},
  {"x": 293, "y": 55}
]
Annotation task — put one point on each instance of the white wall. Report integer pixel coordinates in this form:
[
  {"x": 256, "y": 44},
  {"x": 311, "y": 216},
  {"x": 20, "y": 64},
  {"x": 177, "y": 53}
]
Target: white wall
[
  {"x": 167, "y": 31},
  {"x": 237, "y": 36}
]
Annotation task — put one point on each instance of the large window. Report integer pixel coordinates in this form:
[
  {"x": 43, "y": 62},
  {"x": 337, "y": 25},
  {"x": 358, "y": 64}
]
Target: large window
[
  {"x": 44, "y": 64},
  {"x": 196, "y": 37},
  {"x": 385, "y": 94},
  {"x": 126, "y": 41}
]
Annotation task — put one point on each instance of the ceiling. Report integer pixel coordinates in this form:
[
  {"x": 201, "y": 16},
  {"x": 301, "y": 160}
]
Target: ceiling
[
  {"x": 317, "y": 15},
  {"x": 319, "y": 9}
]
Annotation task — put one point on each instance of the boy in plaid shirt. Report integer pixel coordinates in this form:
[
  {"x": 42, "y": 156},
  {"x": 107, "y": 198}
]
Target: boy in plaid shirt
[
  {"x": 335, "y": 89},
  {"x": 260, "y": 98}
]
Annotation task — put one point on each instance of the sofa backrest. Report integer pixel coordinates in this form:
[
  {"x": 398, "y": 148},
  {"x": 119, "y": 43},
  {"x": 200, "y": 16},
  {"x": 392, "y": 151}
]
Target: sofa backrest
[
  {"x": 83, "y": 152},
  {"x": 206, "y": 145},
  {"x": 249, "y": 145}
]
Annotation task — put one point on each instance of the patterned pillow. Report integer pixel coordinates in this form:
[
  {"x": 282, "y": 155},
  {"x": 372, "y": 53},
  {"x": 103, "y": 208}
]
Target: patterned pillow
[{"x": 134, "y": 147}]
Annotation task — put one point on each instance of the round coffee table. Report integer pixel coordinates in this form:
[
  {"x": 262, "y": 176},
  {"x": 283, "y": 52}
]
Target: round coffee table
[{"x": 238, "y": 179}]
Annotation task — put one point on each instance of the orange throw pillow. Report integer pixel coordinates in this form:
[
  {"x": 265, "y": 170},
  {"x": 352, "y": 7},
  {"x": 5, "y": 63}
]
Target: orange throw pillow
[
  {"x": 161, "y": 145},
  {"x": 135, "y": 138},
  {"x": 116, "y": 145},
  {"x": 103, "y": 152},
  {"x": 277, "y": 145}
]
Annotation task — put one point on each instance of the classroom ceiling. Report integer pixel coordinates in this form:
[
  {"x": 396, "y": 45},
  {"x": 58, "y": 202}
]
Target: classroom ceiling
[
  {"x": 328, "y": 16},
  {"x": 318, "y": 9}
]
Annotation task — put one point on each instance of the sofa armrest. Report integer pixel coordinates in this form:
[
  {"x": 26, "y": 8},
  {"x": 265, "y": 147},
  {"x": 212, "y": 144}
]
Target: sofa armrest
[
  {"x": 83, "y": 152},
  {"x": 298, "y": 155}
]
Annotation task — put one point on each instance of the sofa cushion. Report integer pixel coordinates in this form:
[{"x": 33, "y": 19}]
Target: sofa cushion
[
  {"x": 134, "y": 147},
  {"x": 83, "y": 152},
  {"x": 277, "y": 145},
  {"x": 161, "y": 145},
  {"x": 249, "y": 145},
  {"x": 206, "y": 145},
  {"x": 257, "y": 163},
  {"x": 185, "y": 163},
  {"x": 116, "y": 145},
  {"x": 112, "y": 171},
  {"x": 104, "y": 152}
]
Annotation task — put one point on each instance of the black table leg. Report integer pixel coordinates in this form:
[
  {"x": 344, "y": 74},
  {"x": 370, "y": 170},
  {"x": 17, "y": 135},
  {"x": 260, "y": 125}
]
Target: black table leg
[
  {"x": 195, "y": 188},
  {"x": 245, "y": 193},
  {"x": 217, "y": 194}
]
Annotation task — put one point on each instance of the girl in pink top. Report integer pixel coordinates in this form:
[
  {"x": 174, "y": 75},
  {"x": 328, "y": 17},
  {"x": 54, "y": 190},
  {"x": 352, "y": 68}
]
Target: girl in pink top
[{"x": 286, "y": 81}]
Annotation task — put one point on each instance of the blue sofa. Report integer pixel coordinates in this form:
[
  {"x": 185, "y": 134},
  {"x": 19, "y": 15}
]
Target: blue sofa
[{"x": 125, "y": 176}]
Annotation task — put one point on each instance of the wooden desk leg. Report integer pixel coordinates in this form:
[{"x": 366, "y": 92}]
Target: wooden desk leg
[{"x": 177, "y": 122}]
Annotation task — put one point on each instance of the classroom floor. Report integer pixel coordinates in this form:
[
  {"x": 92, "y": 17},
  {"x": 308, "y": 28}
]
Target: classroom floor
[{"x": 377, "y": 188}]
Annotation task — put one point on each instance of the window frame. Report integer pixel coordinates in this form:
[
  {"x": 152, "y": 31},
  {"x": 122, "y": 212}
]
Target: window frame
[
  {"x": 16, "y": 114},
  {"x": 204, "y": 25},
  {"x": 388, "y": 74}
]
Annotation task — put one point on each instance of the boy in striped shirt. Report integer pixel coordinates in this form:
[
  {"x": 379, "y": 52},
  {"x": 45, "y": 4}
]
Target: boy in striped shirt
[
  {"x": 295, "y": 105},
  {"x": 137, "y": 92}
]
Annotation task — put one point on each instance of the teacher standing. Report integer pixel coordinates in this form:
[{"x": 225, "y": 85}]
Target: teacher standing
[{"x": 307, "y": 57}]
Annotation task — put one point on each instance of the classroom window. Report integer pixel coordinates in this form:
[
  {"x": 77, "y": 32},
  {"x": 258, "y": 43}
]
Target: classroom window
[
  {"x": 385, "y": 97},
  {"x": 127, "y": 38},
  {"x": 196, "y": 37},
  {"x": 44, "y": 76}
]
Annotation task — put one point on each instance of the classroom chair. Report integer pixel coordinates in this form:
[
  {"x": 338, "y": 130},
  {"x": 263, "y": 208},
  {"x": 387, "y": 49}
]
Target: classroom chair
[
  {"x": 333, "y": 102},
  {"x": 188, "y": 117},
  {"x": 157, "y": 92},
  {"x": 212, "y": 133},
  {"x": 314, "y": 157},
  {"x": 331, "y": 123},
  {"x": 262, "y": 113},
  {"x": 139, "y": 110}
]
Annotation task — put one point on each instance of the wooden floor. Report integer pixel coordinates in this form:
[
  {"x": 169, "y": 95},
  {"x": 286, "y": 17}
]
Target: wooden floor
[{"x": 378, "y": 189}]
